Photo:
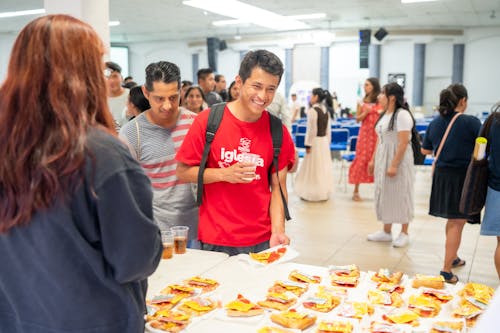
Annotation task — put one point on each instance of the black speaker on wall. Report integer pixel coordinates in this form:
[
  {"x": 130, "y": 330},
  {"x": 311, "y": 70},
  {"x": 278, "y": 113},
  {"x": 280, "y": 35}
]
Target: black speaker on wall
[
  {"x": 365, "y": 36},
  {"x": 212, "y": 49},
  {"x": 380, "y": 34}
]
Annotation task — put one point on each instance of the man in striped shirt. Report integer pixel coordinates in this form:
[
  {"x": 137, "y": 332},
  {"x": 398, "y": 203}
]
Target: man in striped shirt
[{"x": 154, "y": 138}]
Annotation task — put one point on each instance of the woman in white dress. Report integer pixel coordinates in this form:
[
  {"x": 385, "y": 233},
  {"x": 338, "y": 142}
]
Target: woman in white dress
[
  {"x": 393, "y": 166},
  {"x": 314, "y": 180}
]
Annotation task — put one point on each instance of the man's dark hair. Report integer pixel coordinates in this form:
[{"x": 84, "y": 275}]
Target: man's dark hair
[
  {"x": 186, "y": 83},
  {"x": 218, "y": 77},
  {"x": 163, "y": 71},
  {"x": 203, "y": 73},
  {"x": 114, "y": 66},
  {"x": 138, "y": 99},
  {"x": 264, "y": 59}
]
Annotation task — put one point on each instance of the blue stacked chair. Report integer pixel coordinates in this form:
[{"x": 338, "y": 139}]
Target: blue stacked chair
[{"x": 340, "y": 136}]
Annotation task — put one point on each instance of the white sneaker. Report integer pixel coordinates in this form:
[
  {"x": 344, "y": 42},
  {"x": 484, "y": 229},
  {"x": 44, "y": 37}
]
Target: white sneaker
[
  {"x": 380, "y": 236},
  {"x": 401, "y": 241}
]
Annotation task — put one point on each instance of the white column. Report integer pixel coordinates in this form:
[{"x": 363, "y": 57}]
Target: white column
[{"x": 94, "y": 12}]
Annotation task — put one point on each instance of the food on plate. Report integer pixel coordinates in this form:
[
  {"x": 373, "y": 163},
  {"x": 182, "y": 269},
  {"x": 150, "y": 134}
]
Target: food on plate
[
  {"x": 390, "y": 287},
  {"x": 293, "y": 319},
  {"x": 424, "y": 306},
  {"x": 385, "y": 275},
  {"x": 335, "y": 326},
  {"x": 442, "y": 296},
  {"x": 346, "y": 270},
  {"x": 284, "y": 286},
  {"x": 165, "y": 302},
  {"x": 355, "y": 310},
  {"x": 333, "y": 290},
  {"x": 198, "y": 306},
  {"x": 322, "y": 302},
  {"x": 242, "y": 307},
  {"x": 378, "y": 297},
  {"x": 429, "y": 281},
  {"x": 468, "y": 311},
  {"x": 267, "y": 257},
  {"x": 277, "y": 301},
  {"x": 179, "y": 289},
  {"x": 298, "y": 276},
  {"x": 170, "y": 321},
  {"x": 344, "y": 281},
  {"x": 478, "y": 294},
  {"x": 447, "y": 327},
  {"x": 402, "y": 317},
  {"x": 272, "y": 329},
  {"x": 203, "y": 283}
]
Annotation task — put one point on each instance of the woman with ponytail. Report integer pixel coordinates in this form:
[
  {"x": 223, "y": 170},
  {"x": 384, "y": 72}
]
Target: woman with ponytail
[
  {"x": 392, "y": 166},
  {"x": 450, "y": 169},
  {"x": 314, "y": 180}
]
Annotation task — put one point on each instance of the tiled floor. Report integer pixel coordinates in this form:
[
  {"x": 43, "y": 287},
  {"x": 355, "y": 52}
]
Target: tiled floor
[{"x": 334, "y": 232}]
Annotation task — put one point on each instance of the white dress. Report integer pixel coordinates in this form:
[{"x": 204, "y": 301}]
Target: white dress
[
  {"x": 314, "y": 180},
  {"x": 394, "y": 195}
]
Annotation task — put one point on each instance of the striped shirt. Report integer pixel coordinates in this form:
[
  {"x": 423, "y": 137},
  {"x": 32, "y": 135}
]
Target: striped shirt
[{"x": 155, "y": 148}]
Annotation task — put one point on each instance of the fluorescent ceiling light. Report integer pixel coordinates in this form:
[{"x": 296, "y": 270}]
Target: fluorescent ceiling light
[
  {"x": 314, "y": 16},
  {"x": 114, "y": 23},
  {"x": 22, "y": 13},
  {"x": 247, "y": 13},
  {"x": 414, "y": 1}
]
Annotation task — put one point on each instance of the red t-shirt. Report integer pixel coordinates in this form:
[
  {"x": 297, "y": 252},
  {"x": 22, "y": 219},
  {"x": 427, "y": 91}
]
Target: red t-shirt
[{"x": 235, "y": 214}]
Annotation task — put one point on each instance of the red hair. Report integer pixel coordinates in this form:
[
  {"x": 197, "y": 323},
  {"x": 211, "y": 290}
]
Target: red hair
[{"x": 55, "y": 91}]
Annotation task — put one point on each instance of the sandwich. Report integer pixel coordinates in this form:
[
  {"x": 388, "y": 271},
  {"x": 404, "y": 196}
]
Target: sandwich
[
  {"x": 302, "y": 277},
  {"x": 424, "y": 306},
  {"x": 390, "y": 287},
  {"x": 346, "y": 270},
  {"x": 293, "y": 319},
  {"x": 402, "y": 317},
  {"x": 242, "y": 307},
  {"x": 165, "y": 302},
  {"x": 178, "y": 289},
  {"x": 344, "y": 281},
  {"x": 429, "y": 281},
  {"x": 198, "y": 306},
  {"x": 170, "y": 321},
  {"x": 267, "y": 257},
  {"x": 335, "y": 326},
  {"x": 468, "y": 311},
  {"x": 385, "y": 275},
  {"x": 441, "y": 296},
  {"x": 334, "y": 291},
  {"x": 447, "y": 327},
  {"x": 378, "y": 297},
  {"x": 322, "y": 302},
  {"x": 355, "y": 310},
  {"x": 477, "y": 293},
  {"x": 204, "y": 284},
  {"x": 379, "y": 327},
  {"x": 277, "y": 301},
  {"x": 284, "y": 286}
]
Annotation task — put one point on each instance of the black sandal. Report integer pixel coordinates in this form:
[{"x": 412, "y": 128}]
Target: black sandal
[
  {"x": 458, "y": 262},
  {"x": 449, "y": 277}
]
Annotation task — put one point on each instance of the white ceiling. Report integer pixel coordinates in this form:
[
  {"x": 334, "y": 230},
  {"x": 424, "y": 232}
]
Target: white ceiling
[{"x": 149, "y": 20}]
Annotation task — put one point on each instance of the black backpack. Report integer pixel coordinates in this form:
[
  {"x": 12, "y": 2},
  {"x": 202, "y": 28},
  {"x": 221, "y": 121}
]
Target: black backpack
[
  {"x": 214, "y": 120},
  {"x": 416, "y": 144}
]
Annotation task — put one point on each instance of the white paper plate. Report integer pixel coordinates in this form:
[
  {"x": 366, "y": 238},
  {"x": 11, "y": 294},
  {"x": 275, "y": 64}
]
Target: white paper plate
[{"x": 289, "y": 255}]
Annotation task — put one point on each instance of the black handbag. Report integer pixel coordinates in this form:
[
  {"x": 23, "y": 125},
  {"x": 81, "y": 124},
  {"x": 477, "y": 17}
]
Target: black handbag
[{"x": 476, "y": 180}]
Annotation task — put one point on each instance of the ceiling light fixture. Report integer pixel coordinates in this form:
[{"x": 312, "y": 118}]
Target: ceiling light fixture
[
  {"x": 315, "y": 16},
  {"x": 22, "y": 13},
  {"x": 247, "y": 13},
  {"x": 414, "y": 1},
  {"x": 113, "y": 23}
]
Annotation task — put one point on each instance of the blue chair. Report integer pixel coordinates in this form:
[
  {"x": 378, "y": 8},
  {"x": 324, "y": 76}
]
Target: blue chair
[
  {"x": 421, "y": 127},
  {"x": 294, "y": 128},
  {"x": 353, "y": 129},
  {"x": 300, "y": 143},
  {"x": 301, "y": 129},
  {"x": 340, "y": 136},
  {"x": 428, "y": 160}
]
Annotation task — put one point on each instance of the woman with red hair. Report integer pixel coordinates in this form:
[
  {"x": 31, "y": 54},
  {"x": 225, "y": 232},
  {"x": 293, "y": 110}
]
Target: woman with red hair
[{"x": 77, "y": 235}]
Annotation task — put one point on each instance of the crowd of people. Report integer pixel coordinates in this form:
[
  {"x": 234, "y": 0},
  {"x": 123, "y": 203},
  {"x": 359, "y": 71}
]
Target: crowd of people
[{"x": 94, "y": 166}]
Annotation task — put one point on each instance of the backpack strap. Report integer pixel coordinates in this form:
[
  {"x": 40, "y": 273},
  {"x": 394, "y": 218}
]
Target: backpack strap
[
  {"x": 214, "y": 120},
  {"x": 277, "y": 135}
]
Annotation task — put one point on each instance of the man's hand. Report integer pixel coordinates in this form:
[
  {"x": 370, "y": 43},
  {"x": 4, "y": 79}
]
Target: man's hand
[
  {"x": 239, "y": 173},
  {"x": 279, "y": 239}
]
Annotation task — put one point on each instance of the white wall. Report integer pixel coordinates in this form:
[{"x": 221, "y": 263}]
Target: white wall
[
  {"x": 6, "y": 43},
  {"x": 482, "y": 68},
  {"x": 438, "y": 71}
]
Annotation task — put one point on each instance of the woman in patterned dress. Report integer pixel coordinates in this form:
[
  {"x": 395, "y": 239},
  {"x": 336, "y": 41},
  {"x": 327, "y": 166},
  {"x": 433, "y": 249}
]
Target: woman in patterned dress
[{"x": 367, "y": 113}]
